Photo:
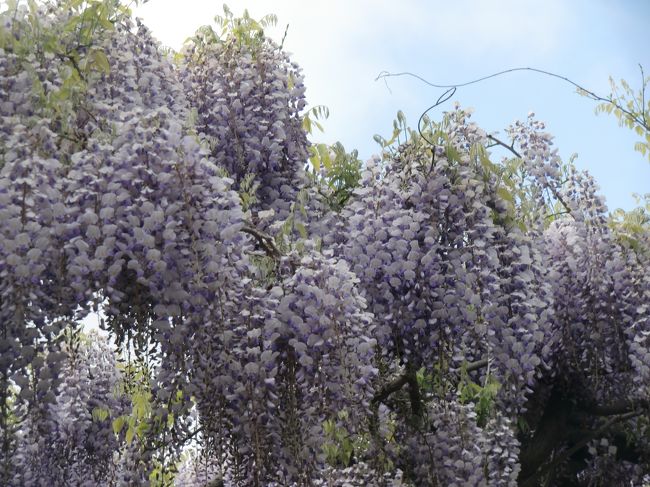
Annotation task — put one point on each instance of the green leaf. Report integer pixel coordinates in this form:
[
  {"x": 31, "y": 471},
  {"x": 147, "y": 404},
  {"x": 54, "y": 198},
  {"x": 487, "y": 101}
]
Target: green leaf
[
  {"x": 100, "y": 414},
  {"x": 452, "y": 153},
  {"x": 141, "y": 405},
  {"x": 118, "y": 423},
  {"x": 314, "y": 158},
  {"x": 506, "y": 195},
  {"x": 130, "y": 433},
  {"x": 324, "y": 154},
  {"x": 101, "y": 61},
  {"x": 301, "y": 229},
  {"x": 105, "y": 23},
  {"x": 33, "y": 7},
  {"x": 306, "y": 124}
]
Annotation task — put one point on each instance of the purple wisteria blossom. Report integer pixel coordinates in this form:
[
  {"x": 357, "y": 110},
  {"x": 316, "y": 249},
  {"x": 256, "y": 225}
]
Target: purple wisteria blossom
[{"x": 451, "y": 321}]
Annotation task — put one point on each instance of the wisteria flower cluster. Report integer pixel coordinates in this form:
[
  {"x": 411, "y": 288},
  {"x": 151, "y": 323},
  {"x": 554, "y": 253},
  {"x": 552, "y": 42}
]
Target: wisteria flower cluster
[
  {"x": 70, "y": 440},
  {"x": 453, "y": 321},
  {"x": 248, "y": 100}
]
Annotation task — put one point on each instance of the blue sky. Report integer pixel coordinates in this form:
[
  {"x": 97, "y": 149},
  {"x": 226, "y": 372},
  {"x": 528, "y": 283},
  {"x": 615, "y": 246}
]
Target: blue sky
[{"x": 343, "y": 45}]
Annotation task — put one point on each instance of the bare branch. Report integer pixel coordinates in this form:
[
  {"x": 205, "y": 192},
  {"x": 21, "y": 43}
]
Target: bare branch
[
  {"x": 471, "y": 366},
  {"x": 582, "y": 90},
  {"x": 551, "y": 188},
  {"x": 176, "y": 440},
  {"x": 414, "y": 391},
  {"x": 619, "y": 407},
  {"x": 390, "y": 388},
  {"x": 265, "y": 241},
  {"x": 478, "y": 364},
  {"x": 408, "y": 377},
  {"x": 503, "y": 144}
]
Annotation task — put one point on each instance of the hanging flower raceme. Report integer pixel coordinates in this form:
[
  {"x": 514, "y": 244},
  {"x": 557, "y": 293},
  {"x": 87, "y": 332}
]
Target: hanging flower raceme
[
  {"x": 71, "y": 440},
  {"x": 248, "y": 99},
  {"x": 449, "y": 282},
  {"x": 295, "y": 356}
]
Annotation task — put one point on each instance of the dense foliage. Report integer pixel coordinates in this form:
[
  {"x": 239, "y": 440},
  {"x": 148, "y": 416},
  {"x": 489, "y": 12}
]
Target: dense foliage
[{"x": 273, "y": 312}]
